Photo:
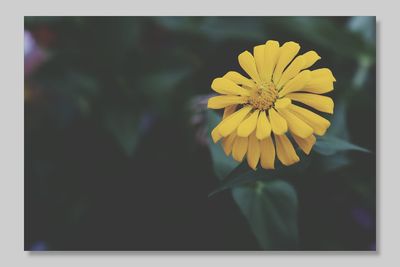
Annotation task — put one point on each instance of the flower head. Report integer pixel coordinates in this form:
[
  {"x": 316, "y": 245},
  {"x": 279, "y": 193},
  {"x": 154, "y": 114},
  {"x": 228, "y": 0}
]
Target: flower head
[{"x": 259, "y": 111}]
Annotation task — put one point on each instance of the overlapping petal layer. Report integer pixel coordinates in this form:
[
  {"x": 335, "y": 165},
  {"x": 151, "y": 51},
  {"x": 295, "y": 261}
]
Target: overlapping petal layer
[{"x": 261, "y": 111}]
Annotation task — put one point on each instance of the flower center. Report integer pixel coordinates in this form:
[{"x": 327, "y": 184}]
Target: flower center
[{"x": 264, "y": 96}]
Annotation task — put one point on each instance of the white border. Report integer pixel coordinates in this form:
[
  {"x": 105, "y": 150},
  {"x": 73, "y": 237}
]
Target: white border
[{"x": 11, "y": 146}]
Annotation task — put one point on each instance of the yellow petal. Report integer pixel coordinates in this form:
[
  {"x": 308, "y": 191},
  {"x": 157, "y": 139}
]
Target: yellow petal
[
  {"x": 278, "y": 124},
  {"x": 228, "y": 87},
  {"x": 296, "y": 125},
  {"x": 296, "y": 84},
  {"x": 263, "y": 126},
  {"x": 282, "y": 103},
  {"x": 215, "y": 135},
  {"x": 305, "y": 144},
  {"x": 248, "y": 64},
  {"x": 318, "y": 123},
  {"x": 253, "y": 152},
  {"x": 267, "y": 148},
  {"x": 239, "y": 148},
  {"x": 228, "y": 125},
  {"x": 310, "y": 58},
  {"x": 323, "y": 73},
  {"x": 318, "y": 86},
  {"x": 286, "y": 53},
  {"x": 229, "y": 110},
  {"x": 248, "y": 125},
  {"x": 319, "y": 102},
  {"x": 227, "y": 143},
  {"x": 223, "y": 101},
  {"x": 294, "y": 68},
  {"x": 285, "y": 151},
  {"x": 271, "y": 53},
  {"x": 259, "y": 58},
  {"x": 239, "y": 79}
]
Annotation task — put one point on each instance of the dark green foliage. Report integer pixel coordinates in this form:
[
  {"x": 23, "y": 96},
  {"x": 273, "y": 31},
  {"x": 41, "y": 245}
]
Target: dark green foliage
[{"x": 117, "y": 157}]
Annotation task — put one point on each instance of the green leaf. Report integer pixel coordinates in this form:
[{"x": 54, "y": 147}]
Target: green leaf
[
  {"x": 324, "y": 33},
  {"x": 244, "y": 174},
  {"x": 123, "y": 125},
  {"x": 222, "y": 163},
  {"x": 216, "y": 28},
  {"x": 334, "y": 162},
  {"x": 339, "y": 122},
  {"x": 226, "y": 28},
  {"x": 365, "y": 26},
  {"x": 329, "y": 145},
  {"x": 179, "y": 24},
  {"x": 162, "y": 82},
  {"x": 270, "y": 208}
]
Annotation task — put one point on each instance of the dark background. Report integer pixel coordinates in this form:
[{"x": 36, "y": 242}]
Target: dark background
[{"x": 116, "y": 156}]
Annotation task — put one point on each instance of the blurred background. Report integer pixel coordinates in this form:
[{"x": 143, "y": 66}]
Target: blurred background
[{"x": 116, "y": 146}]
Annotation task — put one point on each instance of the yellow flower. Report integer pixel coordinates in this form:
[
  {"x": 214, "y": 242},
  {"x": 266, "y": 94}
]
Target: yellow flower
[{"x": 259, "y": 111}]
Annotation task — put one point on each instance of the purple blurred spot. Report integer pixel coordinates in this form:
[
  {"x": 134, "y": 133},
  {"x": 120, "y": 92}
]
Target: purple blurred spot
[
  {"x": 34, "y": 56},
  {"x": 372, "y": 247},
  {"x": 363, "y": 218},
  {"x": 146, "y": 121},
  {"x": 29, "y": 43},
  {"x": 39, "y": 246}
]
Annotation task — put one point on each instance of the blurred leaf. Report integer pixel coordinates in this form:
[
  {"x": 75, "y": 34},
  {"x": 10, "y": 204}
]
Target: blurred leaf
[
  {"x": 162, "y": 82},
  {"x": 124, "y": 126},
  {"x": 324, "y": 33},
  {"x": 179, "y": 24},
  {"x": 270, "y": 208},
  {"x": 244, "y": 174},
  {"x": 334, "y": 162},
  {"x": 329, "y": 145},
  {"x": 223, "y": 28},
  {"x": 113, "y": 44},
  {"x": 365, "y": 26},
  {"x": 70, "y": 93},
  {"x": 82, "y": 89},
  {"x": 338, "y": 126},
  {"x": 160, "y": 87},
  {"x": 361, "y": 74},
  {"x": 222, "y": 163},
  {"x": 216, "y": 28}
]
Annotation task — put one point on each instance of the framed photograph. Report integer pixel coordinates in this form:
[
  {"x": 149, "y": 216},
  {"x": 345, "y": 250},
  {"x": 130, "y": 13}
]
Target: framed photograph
[{"x": 200, "y": 133}]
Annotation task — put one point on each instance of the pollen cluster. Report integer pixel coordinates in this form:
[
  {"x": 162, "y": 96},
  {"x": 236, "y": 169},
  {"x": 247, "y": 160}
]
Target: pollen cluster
[{"x": 263, "y": 97}]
